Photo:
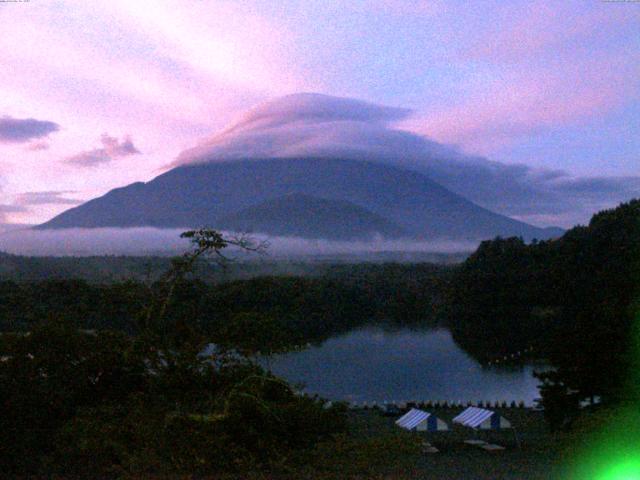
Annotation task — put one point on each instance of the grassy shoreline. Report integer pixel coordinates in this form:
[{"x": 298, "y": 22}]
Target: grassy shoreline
[{"x": 377, "y": 448}]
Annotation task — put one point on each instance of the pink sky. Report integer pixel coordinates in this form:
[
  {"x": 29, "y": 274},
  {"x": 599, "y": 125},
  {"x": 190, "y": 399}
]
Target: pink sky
[{"x": 131, "y": 84}]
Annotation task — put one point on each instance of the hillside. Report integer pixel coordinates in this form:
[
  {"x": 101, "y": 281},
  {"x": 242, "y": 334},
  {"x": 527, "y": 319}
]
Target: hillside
[
  {"x": 204, "y": 194},
  {"x": 305, "y": 216}
]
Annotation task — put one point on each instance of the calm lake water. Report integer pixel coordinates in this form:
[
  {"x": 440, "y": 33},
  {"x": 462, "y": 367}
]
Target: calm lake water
[{"x": 372, "y": 364}]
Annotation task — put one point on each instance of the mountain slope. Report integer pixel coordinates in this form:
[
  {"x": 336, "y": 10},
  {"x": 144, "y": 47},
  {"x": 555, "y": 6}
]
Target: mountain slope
[
  {"x": 305, "y": 216},
  {"x": 203, "y": 194}
]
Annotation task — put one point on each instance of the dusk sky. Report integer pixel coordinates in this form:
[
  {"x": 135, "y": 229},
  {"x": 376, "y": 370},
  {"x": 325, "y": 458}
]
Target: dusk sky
[{"x": 96, "y": 95}]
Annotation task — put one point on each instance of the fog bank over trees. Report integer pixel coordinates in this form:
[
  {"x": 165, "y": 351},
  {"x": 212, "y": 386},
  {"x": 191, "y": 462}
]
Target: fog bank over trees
[{"x": 155, "y": 241}]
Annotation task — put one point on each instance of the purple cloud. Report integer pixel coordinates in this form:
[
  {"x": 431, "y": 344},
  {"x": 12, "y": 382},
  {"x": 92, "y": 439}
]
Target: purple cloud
[
  {"x": 23, "y": 202},
  {"x": 46, "y": 198},
  {"x": 310, "y": 124},
  {"x": 20, "y": 130},
  {"x": 112, "y": 148},
  {"x": 10, "y": 208},
  {"x": 322, "y": 126}
]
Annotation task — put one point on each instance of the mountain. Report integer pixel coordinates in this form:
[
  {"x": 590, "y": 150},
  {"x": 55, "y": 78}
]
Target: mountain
[
  {"x": 205, "y": 194},
  {"x": 300, "y": 215}
]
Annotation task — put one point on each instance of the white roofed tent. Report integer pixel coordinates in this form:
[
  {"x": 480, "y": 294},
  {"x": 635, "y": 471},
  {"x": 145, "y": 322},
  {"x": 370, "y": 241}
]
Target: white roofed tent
[
  {"x": 482, "y": 419},
  {"x": 421, "y": 421}
]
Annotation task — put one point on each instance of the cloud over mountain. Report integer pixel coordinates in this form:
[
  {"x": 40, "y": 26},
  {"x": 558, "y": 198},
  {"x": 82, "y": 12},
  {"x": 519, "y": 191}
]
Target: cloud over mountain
[
  {"x": 310, "y": 124},
  {"x": 314, "y": 125}
]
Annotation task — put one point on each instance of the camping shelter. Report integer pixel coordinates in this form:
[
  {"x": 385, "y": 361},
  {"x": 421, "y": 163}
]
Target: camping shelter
[
  {"x": 482, "y": 419},
  {"x": 421, "y": 421}
]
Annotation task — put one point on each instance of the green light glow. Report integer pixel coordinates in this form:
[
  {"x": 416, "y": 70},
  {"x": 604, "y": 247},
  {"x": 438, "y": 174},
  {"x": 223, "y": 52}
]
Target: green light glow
[
  {"x": 613, "y": 453},
  {"x": 626, "y": 470},
  {"x": 606, "y": 442}
]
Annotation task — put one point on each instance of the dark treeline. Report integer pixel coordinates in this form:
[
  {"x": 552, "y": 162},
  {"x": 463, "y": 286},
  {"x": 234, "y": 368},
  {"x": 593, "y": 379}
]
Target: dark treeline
[
  {"x": 94, "y": 269},
  {"x": 104, "y": 403},
  {"x": 119, "y": 380},
  {"x": 574, "y": 300},
  {"x": 118, "y": 268},
  {"x": 302, "y": 308}
]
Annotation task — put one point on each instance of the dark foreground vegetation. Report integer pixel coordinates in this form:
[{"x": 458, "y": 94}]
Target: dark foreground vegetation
[
  {"x": 575, "y": 300},
  {"x": 110, "y": 379},
  {"x": 108, "y": 404},
  {"x": 105, "y": 403}
]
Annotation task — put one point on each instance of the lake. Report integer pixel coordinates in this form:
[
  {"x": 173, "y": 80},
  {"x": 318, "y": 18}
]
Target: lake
[{"x": 372, "y": 364}]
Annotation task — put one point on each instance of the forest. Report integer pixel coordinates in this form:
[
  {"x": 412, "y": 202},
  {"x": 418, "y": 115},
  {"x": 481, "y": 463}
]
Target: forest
[
  {"x": 111, "y": 377},
  {"x": 308, "y": 308},
  {"x": 575, "y": 300},
  {"x": 117, "y": 378}
]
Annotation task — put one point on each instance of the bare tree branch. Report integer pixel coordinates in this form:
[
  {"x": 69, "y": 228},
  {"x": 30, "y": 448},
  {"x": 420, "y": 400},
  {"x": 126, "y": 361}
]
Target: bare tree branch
[{"x": 205, "y": 241}]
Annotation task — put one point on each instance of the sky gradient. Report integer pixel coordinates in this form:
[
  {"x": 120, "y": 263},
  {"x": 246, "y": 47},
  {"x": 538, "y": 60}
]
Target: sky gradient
[{"x": 96, "y": 95}]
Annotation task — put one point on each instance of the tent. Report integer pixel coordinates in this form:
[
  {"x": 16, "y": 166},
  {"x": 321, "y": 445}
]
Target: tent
[
  {"x": 421, "y": 421},
  {"x": 482, "y": 419}
]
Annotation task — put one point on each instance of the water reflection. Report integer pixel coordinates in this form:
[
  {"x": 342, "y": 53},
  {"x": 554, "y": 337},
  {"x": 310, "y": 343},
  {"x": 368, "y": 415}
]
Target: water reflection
[{"x": 372, "y": 364}]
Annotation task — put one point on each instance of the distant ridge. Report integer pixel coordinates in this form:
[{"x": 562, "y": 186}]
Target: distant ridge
[
  {"x": 301, "y": 215},
  {"x": 400, "y": 202}
]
